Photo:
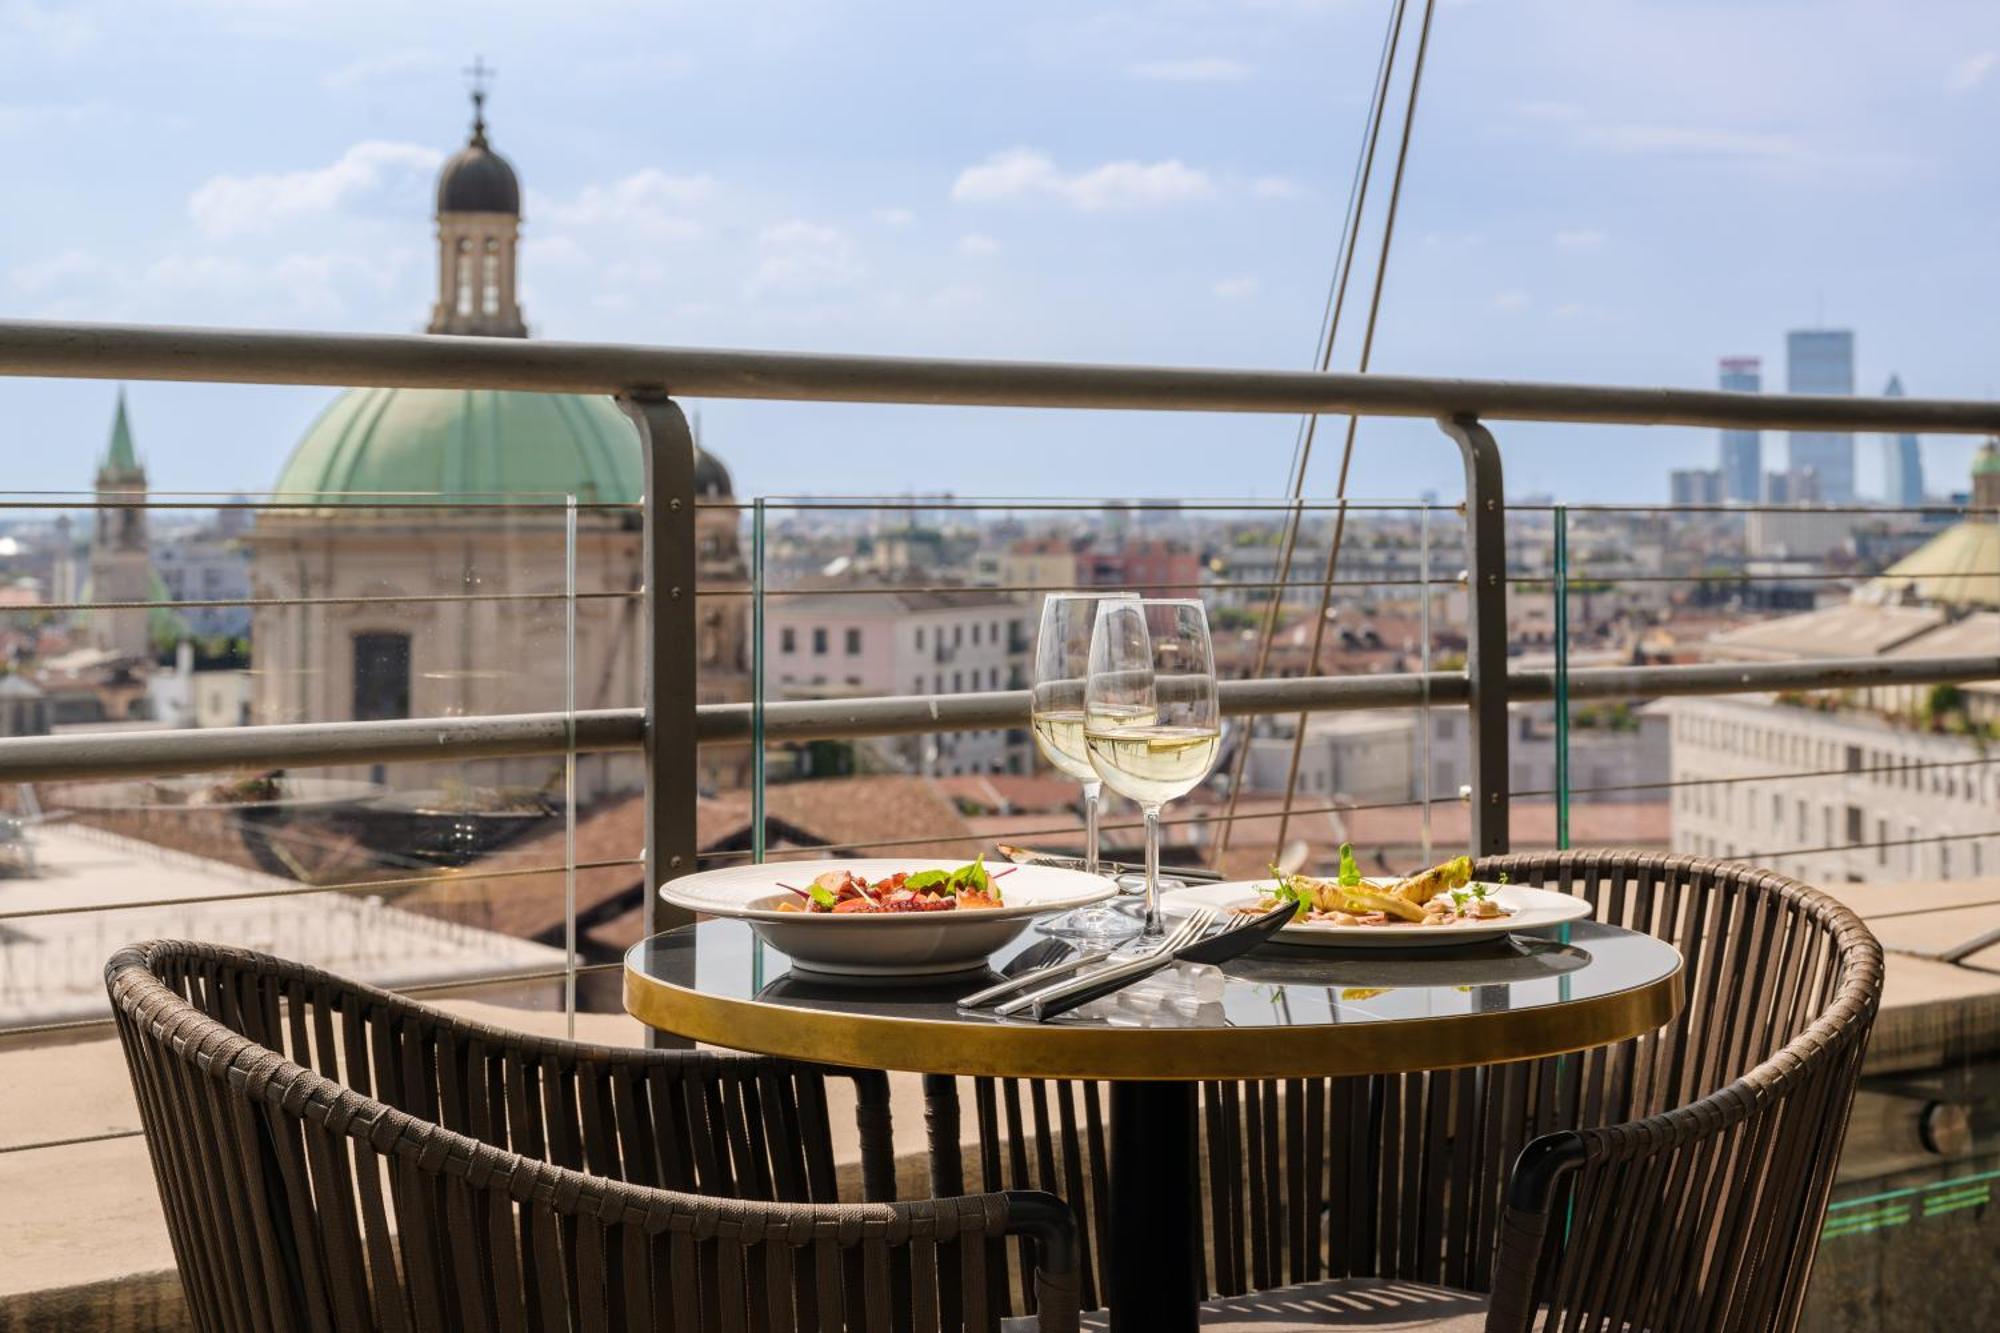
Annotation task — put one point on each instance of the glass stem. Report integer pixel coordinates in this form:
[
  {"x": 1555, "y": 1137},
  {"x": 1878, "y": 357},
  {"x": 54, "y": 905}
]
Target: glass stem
[
  {"x": 1092, "y": 794},
  {"x": 1153, "y": 927}
]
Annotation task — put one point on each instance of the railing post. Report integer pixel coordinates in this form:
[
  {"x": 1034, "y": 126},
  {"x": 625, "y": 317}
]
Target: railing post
[
  {"x": 1486, "y": 629},
  {"x": 667, "y": 446}
]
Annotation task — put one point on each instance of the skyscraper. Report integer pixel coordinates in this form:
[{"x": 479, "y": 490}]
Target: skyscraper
[
  {"x": 1902, "y": 460},
  {"x": 1821, "y": 361},
  {"x": 1742, "y": 450}
]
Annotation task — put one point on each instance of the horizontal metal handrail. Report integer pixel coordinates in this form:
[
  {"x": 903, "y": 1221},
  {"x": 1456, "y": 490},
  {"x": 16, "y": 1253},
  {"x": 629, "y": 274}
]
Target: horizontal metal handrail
[
  {"x": 423, "y": 740},
  {"x": 118, "y": 351}
]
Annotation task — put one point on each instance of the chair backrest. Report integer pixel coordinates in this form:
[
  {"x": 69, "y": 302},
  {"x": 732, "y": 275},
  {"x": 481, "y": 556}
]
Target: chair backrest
[
  {"x": 1680, "y": 1143},
  {"x": 1685, "y": 1181},
  {"x": 296, "y": 1202},
  {"x": 707, "y": 1122}
]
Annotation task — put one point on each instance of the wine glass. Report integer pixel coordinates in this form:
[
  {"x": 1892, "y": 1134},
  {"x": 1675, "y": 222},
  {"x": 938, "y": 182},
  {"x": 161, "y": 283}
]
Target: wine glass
[
  {"x": 1152, "y": 726},
  {"x": 1062, "y": 666}
]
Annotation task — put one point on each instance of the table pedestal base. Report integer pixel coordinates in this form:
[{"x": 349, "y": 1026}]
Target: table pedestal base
[{"x": 1153, "y": 1277}]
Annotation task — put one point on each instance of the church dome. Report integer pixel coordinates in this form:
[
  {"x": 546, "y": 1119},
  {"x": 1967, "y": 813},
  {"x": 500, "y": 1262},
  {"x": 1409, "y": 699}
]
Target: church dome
[
  {"x": 711, "y": 478},
  {"x": 476, "y": 179},
  {"x": 466, "y": 443},
  {"x": 469, "y": 443}
]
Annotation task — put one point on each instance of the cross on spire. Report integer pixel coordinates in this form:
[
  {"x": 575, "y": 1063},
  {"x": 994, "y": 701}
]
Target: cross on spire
[{"x": 479, "y": 72}]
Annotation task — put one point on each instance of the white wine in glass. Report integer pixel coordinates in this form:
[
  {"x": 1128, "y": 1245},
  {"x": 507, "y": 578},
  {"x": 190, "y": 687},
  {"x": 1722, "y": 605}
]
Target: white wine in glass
[
  {"x": 1062, "y": 667},
  {"x": 1152, "y": 724}
]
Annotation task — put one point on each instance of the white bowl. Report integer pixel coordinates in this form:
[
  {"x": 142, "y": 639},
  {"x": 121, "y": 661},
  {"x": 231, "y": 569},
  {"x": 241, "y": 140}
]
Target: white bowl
[
  {"x": 886, "y": 944},
  {"x": 1533, "y": 909}
]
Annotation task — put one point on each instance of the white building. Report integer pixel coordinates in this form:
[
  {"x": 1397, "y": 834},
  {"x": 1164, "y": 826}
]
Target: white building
[
  {"x": 1830, "y": 797},
  {"x": 1900, "y": 782},
  {"x": 835, "y": 643}
]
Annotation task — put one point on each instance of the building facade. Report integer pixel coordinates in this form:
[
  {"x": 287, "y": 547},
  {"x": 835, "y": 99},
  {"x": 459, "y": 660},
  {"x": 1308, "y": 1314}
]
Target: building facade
[
  {"x": 1742, "y": 460},
  {"x": 859, "y": 641},
  {"x": 1821, "y": 361}
]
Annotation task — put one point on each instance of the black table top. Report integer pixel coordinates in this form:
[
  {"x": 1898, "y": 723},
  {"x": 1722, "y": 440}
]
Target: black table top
[{"x": 1285, "y": 1010}]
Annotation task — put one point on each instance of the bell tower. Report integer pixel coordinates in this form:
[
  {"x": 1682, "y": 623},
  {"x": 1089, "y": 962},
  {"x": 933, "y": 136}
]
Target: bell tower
[
  {"x": 121, "y": 561},
  {"x": 479, "y": 232}
]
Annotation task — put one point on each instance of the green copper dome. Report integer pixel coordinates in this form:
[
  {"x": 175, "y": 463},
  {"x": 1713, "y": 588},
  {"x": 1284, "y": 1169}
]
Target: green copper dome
[
  {"x": 467, "y": 443},
  {"x": 1986, "y": 462}
]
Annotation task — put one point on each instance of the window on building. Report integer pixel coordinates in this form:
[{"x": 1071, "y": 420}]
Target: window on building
[
  {"x": 854, "y": 643},
  {"x": 957, "y": 681},
  {"x": 381, "y": 677},
  {"x": 975, "y": 636},
  {"x": 920, "y": 638},
  {"x": 788, "y": 640},
  {"x": 957, "y": 635},
  {"x": 819, "y": 643},
  {"x": 993, "y": 678},
  {"x": 490, "y": 278},
  {"x": 464, "y": 277},
  {"x": 1853, "y": 758},
  {"x": 1854, "y": 831},
  {"x": 1881, "y": 842}
]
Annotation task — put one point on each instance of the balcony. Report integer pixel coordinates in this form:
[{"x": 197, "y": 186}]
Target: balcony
[{"x": 465, "y": 826}]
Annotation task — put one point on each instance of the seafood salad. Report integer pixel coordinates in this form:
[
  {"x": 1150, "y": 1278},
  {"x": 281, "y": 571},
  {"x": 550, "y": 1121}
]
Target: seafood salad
[{"x": 968, "y": 888}]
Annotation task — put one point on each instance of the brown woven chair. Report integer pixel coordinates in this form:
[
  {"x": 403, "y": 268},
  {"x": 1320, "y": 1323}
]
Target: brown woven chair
[
  {"x": 501, "y": 1181},
  {"x": 1678, "y": 1180}
]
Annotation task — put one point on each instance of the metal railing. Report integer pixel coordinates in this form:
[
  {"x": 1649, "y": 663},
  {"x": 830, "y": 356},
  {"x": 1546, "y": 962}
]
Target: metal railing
[{"x": 668, "y": 727}]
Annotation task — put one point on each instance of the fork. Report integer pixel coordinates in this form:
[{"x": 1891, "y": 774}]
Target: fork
[{"x": 1188, "y": 932}]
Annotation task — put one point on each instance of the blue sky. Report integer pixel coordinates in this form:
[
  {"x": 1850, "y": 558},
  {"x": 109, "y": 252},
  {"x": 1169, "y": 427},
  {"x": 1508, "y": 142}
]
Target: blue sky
[{"x": 1611, "y": 192}]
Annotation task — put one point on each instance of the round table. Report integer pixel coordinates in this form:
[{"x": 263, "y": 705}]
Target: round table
[{"x": 1285, "y": 1012}]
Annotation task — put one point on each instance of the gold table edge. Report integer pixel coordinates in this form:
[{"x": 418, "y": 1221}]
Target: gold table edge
[{"x": 1024, "y": 1050}]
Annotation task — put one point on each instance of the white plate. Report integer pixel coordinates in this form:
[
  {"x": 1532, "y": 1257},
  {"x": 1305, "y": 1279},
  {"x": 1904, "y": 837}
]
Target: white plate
[
  {"x": 1533, "y": 909},
  {"x": 899, "y": 944}
]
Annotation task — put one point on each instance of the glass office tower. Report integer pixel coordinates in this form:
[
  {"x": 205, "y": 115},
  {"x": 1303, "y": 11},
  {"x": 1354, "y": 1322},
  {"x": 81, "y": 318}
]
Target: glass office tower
[
  {"x": 1821, "y": 361},
  {"x": 1742, "y": 462}
]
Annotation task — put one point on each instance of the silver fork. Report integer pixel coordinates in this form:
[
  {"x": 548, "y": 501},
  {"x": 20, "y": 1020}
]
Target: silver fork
[{"x": 1191, "y": 928}]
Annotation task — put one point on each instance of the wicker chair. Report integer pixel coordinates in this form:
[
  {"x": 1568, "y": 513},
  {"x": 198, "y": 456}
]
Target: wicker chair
[
  {"x": 500, "y": 1181},
  {"x": 1687, "y": 1170}
]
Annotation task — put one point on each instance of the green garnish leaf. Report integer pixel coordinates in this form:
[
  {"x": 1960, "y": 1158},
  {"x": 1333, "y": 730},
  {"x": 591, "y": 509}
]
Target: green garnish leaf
[
  {"x": 1288, "y": 890},
  {"x": 969, "y": 877},
  {"x": 1350, "y": 873},
  {"x": 822, "y": 896},
  {"x": 928, "y": 879}
]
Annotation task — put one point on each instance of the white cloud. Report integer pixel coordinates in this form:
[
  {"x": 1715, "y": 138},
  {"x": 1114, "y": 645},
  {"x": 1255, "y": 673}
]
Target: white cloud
[
  {"x": 388, "y": 67},
  {"x": 41, "y": 277},
  {"x": 977, "y": 245},
  {"x": 1680, "y": 140},
  {"x": 1970, "y": 72},
  {"x": 1200, "y": 69},
  {"x": 649, "y": 201},
  {"x": 1234, "y": 289},
  {"x": 1512, "y": 298},
  {"x": 1582, "y": 238},
  {"x": 43, "y": 117},
  {"x": 1021, "y": 172},
  {"x": 1276, "y": 187},
  {"x": 226, "y": 206},
  {"x": 804, "y": 259},
  {"x": 894, "y": 217}
]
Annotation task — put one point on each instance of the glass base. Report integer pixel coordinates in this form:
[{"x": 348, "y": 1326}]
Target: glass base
[{"x": 1101, "y": 923}]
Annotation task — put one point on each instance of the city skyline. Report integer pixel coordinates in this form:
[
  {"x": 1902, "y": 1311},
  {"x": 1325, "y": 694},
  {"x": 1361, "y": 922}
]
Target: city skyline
[{"x": 1171, "y": 192}]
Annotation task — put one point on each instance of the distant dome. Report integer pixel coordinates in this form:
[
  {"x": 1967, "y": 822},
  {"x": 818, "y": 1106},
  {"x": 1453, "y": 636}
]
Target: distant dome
[
  {"x": 470, "y": 443},
  {"x": 711, "y": 478},
  {"x": 478, "y": 180},
  {"x": 465, "y": 443},
  {"x": 1987, "y": 461}
]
